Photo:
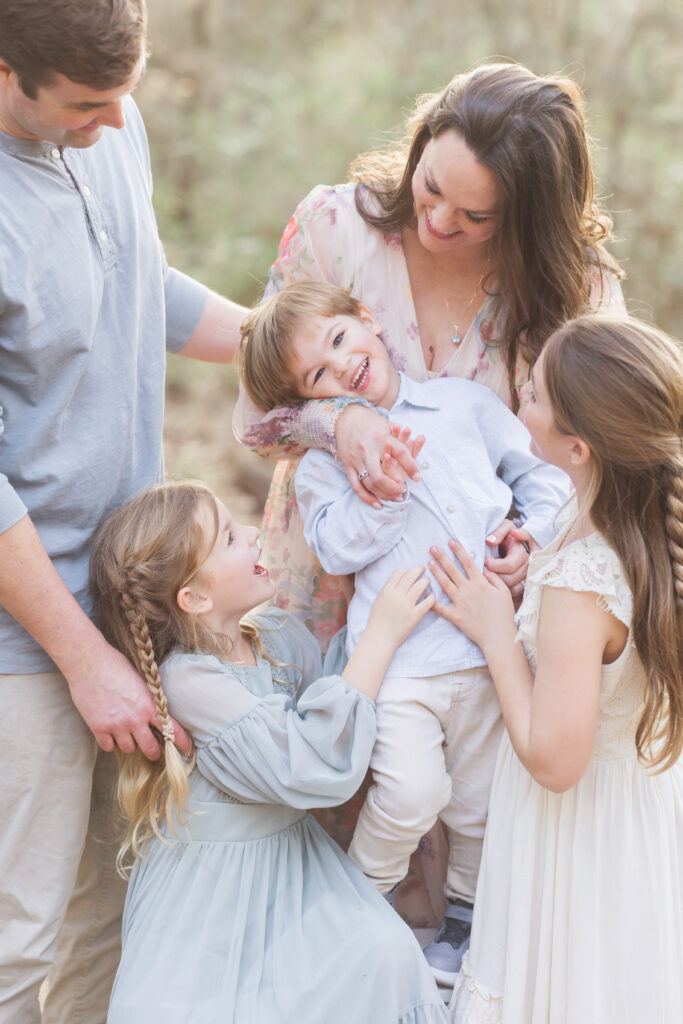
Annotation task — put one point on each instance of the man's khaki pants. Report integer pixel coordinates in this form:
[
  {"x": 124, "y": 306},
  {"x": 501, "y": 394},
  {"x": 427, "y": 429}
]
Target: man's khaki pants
[{"x": 60, "y": 897}]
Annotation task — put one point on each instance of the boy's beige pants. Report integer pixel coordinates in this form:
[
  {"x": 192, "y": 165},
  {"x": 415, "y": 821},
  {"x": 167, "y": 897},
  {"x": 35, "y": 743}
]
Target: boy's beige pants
[{"x": 60, "y": 897}]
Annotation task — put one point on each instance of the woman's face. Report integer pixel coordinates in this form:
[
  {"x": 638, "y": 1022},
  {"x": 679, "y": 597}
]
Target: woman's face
[{"x": 457, "y": 199}]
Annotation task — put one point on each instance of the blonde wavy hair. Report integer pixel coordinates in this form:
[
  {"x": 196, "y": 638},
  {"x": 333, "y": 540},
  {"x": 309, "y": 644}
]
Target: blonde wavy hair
[
  {"x": 618, "y": 385},
  {"x": 143, "y": 554}
]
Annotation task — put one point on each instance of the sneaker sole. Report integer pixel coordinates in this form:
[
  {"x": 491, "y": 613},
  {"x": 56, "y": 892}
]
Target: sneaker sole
[{"x": 445, "y": 978}]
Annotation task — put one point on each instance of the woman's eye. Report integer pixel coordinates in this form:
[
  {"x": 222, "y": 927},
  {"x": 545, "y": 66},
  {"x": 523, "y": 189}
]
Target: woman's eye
[
  {"x": 337, "y": 340},
  {"x": 476, "y": 220},
  {"x": 318, "y": 375},
  {"x": 430, "y": 188}
]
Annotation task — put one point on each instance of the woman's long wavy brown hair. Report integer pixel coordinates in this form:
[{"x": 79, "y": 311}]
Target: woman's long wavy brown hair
[
  {"x": 531, "y": 133},
  {"x": 143, "y": 554},
  {"x": 618, "y": 385}
]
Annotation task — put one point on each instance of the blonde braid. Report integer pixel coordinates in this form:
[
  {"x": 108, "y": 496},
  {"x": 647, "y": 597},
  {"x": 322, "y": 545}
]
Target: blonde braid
[
  {"x": 149, "y": 792},
  {"x": 673, "y": 518},
  {"x": 147, "y": 662}
]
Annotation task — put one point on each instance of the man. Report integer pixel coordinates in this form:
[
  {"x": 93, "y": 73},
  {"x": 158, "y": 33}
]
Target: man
[{"x": 87, "y": 308}]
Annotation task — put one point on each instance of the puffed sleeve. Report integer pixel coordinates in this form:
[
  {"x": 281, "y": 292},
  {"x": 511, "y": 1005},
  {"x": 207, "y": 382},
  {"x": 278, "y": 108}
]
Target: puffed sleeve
[
  {"x": 307, "y": 751},
  {"x": 310, "y": 248},
  {"x": 312, "y": 753}
]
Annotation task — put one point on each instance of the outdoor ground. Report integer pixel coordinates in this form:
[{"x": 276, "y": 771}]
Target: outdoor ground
[{"x": 199, "y": 443}]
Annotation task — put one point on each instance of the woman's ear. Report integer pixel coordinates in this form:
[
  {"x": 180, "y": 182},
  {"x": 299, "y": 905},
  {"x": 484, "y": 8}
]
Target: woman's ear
[
  {"x": 192, "y": 602},
  {"x": 369, "y": 318}
]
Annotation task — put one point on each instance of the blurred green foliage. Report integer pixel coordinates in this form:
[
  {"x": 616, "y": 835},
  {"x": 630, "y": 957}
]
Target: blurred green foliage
[{"x": 250, "y": 103}]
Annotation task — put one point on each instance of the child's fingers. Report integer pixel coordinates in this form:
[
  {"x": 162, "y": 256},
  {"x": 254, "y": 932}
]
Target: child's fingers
[
  {"x": 464, "y": 558},
  {"x": 445, "y": 581},
  {"x": 417, "y": 444},
  {"x": 495, "y": 580},
  {"x": 448, "y": 566}
]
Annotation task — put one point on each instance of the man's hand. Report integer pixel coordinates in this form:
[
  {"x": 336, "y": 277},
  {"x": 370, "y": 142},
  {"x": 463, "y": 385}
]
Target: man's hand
[
  {"x": 118, "y": 708},
  {"x": 107, "y": 691}
]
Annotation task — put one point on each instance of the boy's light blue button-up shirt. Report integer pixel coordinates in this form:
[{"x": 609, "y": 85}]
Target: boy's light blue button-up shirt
[
  {"x": 88, "y": 307},
  {"x": 475, "y": 459}
]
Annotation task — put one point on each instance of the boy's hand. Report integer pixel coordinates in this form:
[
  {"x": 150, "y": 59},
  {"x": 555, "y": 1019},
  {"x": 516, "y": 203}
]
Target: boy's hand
[
  {"x": 481, "y": 604},
  {"x": 399, "y": 606},
  {"x": 511, "y": 567}
]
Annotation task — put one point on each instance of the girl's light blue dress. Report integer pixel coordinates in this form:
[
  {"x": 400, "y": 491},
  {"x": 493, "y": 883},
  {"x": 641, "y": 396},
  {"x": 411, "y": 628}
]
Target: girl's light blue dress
[{"x": 254, "y": 915}]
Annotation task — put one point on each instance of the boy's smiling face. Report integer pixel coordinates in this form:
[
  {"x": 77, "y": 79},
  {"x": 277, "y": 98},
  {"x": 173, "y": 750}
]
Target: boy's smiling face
[{"x": 343, "y": 356}]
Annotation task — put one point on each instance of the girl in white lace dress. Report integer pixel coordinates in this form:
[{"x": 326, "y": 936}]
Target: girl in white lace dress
[{"x": 579, "y": 905}]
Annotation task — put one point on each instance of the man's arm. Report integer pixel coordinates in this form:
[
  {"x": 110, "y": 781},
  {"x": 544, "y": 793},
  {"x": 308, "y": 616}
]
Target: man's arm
[
  {"x": 216, "y": 337},
  {"x": 107, "y": 691}
]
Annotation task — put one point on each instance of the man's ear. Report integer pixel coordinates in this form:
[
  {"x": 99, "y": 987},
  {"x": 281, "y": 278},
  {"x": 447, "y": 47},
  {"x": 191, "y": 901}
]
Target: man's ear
[
  {"x": 369, "y": 318},
  {"x": 192, "y": 601}
]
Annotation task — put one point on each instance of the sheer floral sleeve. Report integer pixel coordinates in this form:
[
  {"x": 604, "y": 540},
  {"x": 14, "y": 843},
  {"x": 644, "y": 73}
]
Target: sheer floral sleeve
[{"x": 311, "y": 247}]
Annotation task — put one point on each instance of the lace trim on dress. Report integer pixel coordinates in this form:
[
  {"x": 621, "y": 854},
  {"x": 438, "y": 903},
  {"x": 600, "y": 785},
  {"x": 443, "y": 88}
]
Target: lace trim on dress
[
  {"x": 472, "y": 1003},
  {"x": 588, "y": 564}
]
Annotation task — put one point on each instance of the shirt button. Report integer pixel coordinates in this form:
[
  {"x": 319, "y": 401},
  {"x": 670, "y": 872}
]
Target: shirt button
[
  {"x": 424, "y": 465},
  {"x": 450, "y": 508},
  {"x": 55, "y": 154},
  {"x": 103, "y": 236},
  {"x": 471, "y": 554},
  {"x": 86, "y": 190}
]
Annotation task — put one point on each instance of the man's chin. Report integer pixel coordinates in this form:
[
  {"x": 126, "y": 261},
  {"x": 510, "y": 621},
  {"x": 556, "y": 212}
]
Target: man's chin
[{"x": 81, "y": 139}]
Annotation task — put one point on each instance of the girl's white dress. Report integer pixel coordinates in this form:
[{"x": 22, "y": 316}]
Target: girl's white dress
[
  {"x": 254, "y": 915},
  {"x": 579, "y": 906}
]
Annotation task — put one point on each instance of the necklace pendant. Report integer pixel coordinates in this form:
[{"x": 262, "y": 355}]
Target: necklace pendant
[{"x": 455, "y": 339}]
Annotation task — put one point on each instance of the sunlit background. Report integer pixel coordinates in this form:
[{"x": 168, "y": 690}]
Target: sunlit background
[{"x": 248, "y": 105}]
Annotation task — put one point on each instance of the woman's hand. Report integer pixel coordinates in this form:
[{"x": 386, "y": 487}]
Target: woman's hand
[
  {"x": 481, "y": 604},
  {"x": 363, "y": 438},
  {"x": 512, "y": 567}
]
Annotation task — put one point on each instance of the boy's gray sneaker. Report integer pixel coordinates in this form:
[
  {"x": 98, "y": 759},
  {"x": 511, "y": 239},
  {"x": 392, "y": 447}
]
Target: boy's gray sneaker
[{"x": 445, "y": 952}]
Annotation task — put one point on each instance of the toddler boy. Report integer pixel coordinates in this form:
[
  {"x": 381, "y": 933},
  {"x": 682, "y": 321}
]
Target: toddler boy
[{"x": 438, "y": 719}]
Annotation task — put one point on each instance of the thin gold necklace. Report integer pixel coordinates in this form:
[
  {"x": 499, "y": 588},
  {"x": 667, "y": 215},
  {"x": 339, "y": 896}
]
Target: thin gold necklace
[{"x": 456, "y": 334}]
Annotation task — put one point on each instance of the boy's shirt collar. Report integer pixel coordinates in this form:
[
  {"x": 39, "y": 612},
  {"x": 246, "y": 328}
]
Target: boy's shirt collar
[{"x": 413, "y": 392}]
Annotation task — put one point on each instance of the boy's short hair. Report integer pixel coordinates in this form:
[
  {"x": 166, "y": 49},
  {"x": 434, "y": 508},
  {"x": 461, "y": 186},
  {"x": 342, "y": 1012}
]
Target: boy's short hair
[{"x": 266, "y": 338}]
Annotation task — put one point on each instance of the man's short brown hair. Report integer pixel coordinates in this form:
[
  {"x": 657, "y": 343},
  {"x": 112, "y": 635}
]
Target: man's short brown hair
[{"x": 97, "y": 43}]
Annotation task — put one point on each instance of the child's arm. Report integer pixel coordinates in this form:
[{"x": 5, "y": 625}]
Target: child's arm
[
  {"x": 314, "y": 751},
  {"x": 395, "y": 612},
  {"x": 539, "y": 489},
  {"x": 552, "y": 718},
  {"x": 345, "y": 534}
]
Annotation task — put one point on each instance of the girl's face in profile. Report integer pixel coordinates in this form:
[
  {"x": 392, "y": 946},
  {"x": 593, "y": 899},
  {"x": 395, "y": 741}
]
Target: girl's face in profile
[
  {"x": 547, "y": 442},
  {"x": 231, "y": 581},
  {"x": 456, "y": 198}
]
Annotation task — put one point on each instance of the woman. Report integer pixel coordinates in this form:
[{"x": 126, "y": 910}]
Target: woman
[{"x": 470, "y": 243}]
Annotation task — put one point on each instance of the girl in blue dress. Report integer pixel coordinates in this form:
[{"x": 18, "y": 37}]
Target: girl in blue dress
[{"x": 240, "y": 908}]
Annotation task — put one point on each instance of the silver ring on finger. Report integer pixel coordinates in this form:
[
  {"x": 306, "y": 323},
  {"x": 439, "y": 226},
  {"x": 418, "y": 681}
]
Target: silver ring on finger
[{"x": 362, "y": 474}]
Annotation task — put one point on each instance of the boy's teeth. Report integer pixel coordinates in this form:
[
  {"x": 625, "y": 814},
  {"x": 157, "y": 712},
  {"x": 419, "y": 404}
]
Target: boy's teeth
[{"x": 359, "y": 376}]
